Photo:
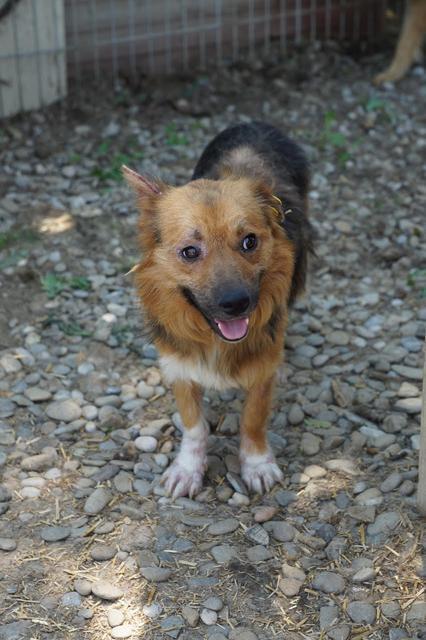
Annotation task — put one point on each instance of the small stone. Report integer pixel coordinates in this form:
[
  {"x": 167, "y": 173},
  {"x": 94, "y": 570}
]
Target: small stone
[
  {"x": 242, "y": 634},
  {"x": 172, "y": 625},
  {"x": 214, "y": 603},
  {"x": 310, "y": 444},
  {"x": 409, "y": 405},
  {"x": 391, "y": 482},
  {"x": 223, "y": 553},
  {"x": 281, "y": 531},
  {"x": 97, "y": 501},
  {"x": 328, "y": 582},
  {"x": 412, "y": 373},
  {"x": 145, "y": 391},
  {"x": 236, "y": 483},
  {"x": 285, "y": 497},
  {"x": 262, "y": 514},
  {"x": 39, "y": 462},
  {"x": 314, "y": 471},
  {"x": 123, "y": 631},
  {"x": 147, "y": 444},
  {"x": 361, "y": 612},
  {"x": 191, "y": 615},
  {"x": 102, "y": 552},
  {"x": 63, "y": 410},
  {"x": 258, "y": 554},
  {"x": 293, "y": 572},
  {"x": 339, "y": 338},
  {"x": 10, "y": 363},
  {"x": 290, "y": 586},
  {"x": 83, "y": 586},
  {"x": 369, "y": 498},
  {"x": 391, "y": 609},
  {"x": 71, "y": 599},
  {"x": 152, "y": 611},
  {"x": 408, "y": 390},
  {"x": 328, "y": 617},
  {"x": 106, "y": 591},
  {"x": 417, "y": 613},
  {"x": 221, "y": 527},
  {"x": 364, "y": 575},
  {"x": 7, "y": 544},
  {"x": 55, "y": 534},
  {"x": 407, "y": 488},
  {"x": 208, "y": 616},
  {"x": 345, "y": 466},
  {"x": 384, "y": 523},
  {"x": 239, "y": 500},
  {"x": 35, "y": 394},
  {"x": 295, "y": 415},
  {"x": 258, "y": 535},
  {"x": 362, "y": 514},
  {"x": 115, "y": 617},
  {"x": 156, "y": 574},
  {"x": 5, "y": 494},
  {"x": 7, "y": 408}
]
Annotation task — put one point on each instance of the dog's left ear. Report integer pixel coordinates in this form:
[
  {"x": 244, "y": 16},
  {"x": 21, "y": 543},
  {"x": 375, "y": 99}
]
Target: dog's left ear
[{"x": 274, "y": 209}]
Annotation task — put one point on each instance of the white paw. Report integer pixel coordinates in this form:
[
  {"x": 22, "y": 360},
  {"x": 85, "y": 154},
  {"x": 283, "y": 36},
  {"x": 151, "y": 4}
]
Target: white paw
[
  {"x": 260, "y": 472},
  {"x": 183, "y": 479}
]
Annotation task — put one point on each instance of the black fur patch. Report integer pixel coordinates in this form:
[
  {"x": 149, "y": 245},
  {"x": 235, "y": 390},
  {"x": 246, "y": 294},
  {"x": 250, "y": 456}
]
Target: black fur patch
[{"x": 273, "y": 323}]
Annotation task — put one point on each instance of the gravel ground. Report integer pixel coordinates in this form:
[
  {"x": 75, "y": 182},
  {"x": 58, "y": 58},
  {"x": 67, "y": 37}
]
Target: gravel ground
[{"x": 89, "y": 545}]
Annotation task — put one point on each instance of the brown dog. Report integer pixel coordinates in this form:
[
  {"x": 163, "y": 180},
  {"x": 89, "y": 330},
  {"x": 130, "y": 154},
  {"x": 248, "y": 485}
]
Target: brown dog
[
  {"x": 223, "y": 257},
  {"x": 409, "y": 43}
]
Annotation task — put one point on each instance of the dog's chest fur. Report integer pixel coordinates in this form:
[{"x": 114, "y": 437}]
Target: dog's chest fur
[{"x": 205, "y": 372}]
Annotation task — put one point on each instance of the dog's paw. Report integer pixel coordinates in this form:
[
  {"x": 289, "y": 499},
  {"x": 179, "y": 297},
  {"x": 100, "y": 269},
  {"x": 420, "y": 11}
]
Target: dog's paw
[
  {"x": 260, "y": 472},
  {"x": 184, "y": 479}
]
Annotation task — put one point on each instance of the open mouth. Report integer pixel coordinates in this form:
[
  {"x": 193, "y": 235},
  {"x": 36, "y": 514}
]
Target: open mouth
[{"x": 232, "y": 330}]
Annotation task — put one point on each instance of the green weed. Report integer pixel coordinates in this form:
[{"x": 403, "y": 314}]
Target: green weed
[
  {"x": 313, "y": 423},
  {"x": 173, "y": 137},
  {"x": 53, "y": 285},
  {"x": 16, "y": 236},
  {"x": 110, "y": 164}
]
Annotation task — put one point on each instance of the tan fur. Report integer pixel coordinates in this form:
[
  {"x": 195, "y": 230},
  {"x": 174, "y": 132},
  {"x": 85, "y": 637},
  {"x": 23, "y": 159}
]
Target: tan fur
[{"x": 409, "y": 43}]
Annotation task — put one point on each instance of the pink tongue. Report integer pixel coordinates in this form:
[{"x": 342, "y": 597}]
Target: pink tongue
[{"x": 233, "y": 329}]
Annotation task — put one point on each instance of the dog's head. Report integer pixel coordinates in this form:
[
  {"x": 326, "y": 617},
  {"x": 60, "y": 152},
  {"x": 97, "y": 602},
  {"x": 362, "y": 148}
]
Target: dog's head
[{"x": 210, "y": 254}]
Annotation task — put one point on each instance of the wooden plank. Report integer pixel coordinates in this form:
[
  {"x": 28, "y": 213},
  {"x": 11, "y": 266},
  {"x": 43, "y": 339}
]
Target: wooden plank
[{"x": 32, "y": 56}]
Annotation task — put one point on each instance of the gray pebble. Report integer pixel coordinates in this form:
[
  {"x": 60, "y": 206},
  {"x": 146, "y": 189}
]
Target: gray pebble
[
  {"x": 64, "y": 410},
  {"x": 328, "y": 582},
  {"x": 208, "y": 616},
  {"x": 115, "y": 617},
  {"x": 55, "y": 534},
  {"x": 102, "y": 552},
  {"x": 97, "y": 501},
  {"x": 391, "y": 482},
  {"x": 71, "y": 599},
  {"x": 223, "y": 553},
  {"x": 83, "y": 586},
  {"x": 106, "y": 591},
  {"x": 191, "y": 615},
  {"x": 361, "y": 612},
  {"x": 221, "y": 527},
  {"x": 156, "y": 574},
  {"x": 7, "y": 544},
  {"x": 122, "y": 631},
  {"x": 214, "y": 603}
]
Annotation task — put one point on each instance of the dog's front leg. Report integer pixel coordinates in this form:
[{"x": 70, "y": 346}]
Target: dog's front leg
[
  {"x": 185, "y": 475},
  {"x": 258, "y": 467}
]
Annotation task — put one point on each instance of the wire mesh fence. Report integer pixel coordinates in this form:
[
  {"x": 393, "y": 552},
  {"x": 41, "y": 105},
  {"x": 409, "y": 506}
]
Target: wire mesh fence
[{"x": 44, "y": 43}]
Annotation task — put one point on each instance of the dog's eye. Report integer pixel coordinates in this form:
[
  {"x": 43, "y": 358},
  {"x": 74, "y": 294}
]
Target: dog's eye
[
  {"x": 190, "y": 253},
  {"x": 249, "y": 243}
]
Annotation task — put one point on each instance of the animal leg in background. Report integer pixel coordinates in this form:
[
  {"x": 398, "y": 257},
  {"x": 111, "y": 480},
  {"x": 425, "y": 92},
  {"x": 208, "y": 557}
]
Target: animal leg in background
[{"x": 409, "y": 43}]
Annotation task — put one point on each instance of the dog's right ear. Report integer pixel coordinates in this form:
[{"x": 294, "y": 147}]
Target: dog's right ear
[
  {"x": 142, "y": 186},
  {"x": 147, "y": 193}
]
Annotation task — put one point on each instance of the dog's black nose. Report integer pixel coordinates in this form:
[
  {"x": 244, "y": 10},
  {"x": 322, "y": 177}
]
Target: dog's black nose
[{"x": 234, "y": 302}]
